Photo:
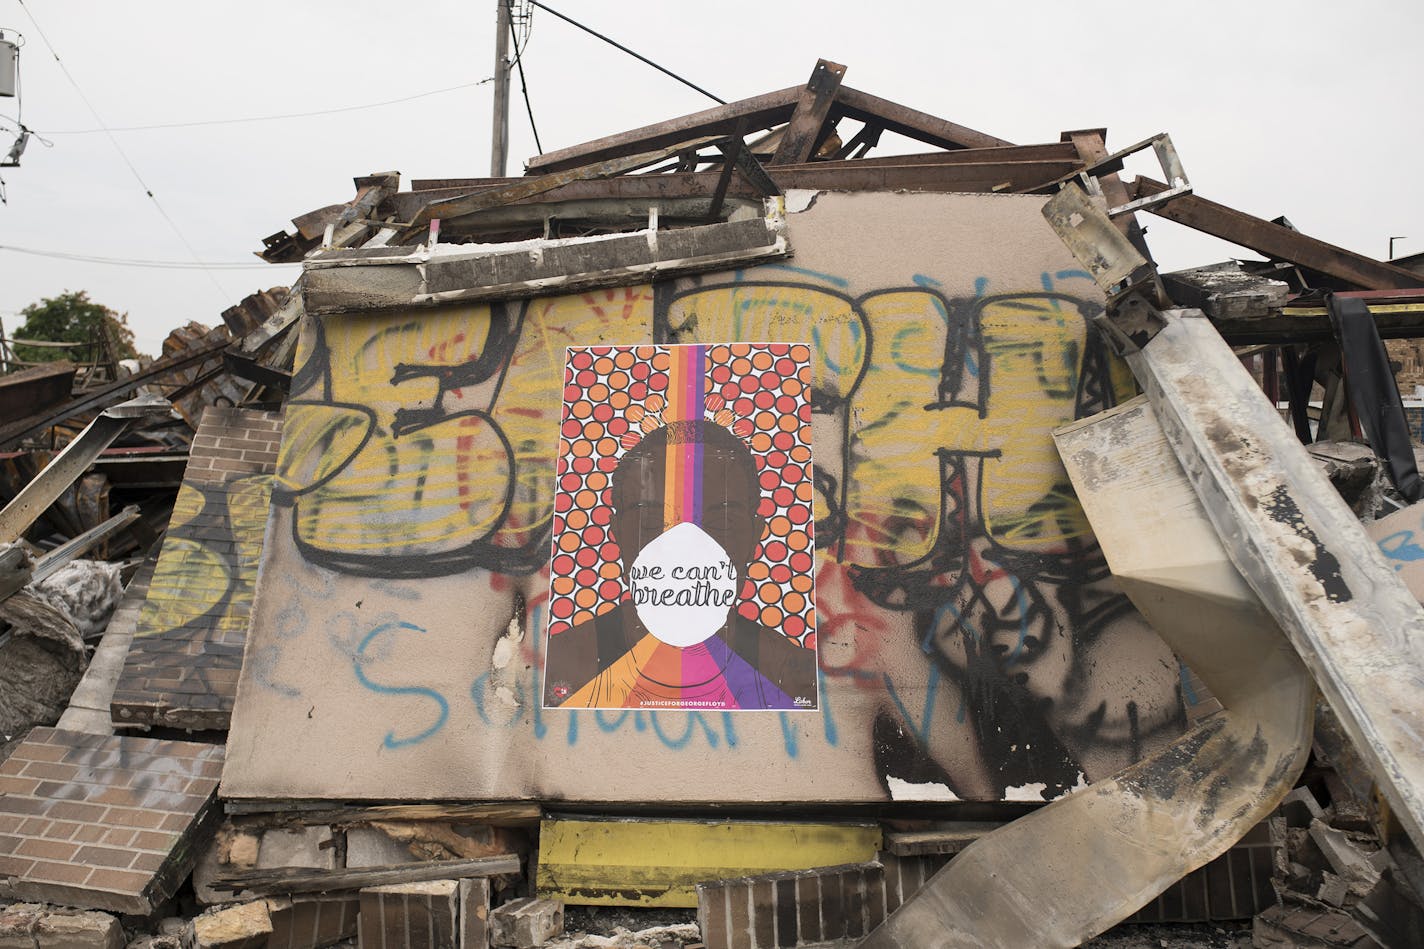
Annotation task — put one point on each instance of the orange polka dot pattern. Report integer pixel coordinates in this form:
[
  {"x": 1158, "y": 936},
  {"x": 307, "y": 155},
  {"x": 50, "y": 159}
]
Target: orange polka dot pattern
[{"x": 613, "y": 395}]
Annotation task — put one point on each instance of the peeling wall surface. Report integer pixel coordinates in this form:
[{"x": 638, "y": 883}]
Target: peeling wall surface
[{"x": 971, "y": 643}]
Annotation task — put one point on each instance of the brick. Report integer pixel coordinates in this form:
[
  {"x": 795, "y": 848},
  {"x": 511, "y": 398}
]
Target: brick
[
  {"x": 526, "y": 923},
  {"x": 410, "y": 916},
  {"x": 43, "y": 871},
  {"x": 46, "y": 849}
]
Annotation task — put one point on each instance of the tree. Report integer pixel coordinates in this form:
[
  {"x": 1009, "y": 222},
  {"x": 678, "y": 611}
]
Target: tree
[{"x": 72, "y": 317}]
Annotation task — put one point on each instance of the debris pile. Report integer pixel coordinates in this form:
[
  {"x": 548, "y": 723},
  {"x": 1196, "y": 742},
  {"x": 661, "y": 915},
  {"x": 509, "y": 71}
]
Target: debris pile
[{"x": 1073, "y": 545}]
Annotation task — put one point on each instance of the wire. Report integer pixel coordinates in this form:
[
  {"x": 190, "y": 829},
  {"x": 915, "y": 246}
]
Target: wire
[
  {"x": 269, "y": 118},
  {"x": 523, "y": 87},
  {"x": 617, "y": 45},
  {"x": 140, "y": 262},
  {"x": 122, "y": 154}
]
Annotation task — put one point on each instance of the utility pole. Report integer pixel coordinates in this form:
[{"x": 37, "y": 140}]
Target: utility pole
[{"x": 499, "y": 137}]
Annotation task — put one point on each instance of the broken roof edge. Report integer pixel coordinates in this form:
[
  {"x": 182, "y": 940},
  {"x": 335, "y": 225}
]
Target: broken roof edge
[{"x": 368, "y": 279}]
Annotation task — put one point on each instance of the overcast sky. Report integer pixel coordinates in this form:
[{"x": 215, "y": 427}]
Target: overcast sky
[{"x": 1300, "y": 108}]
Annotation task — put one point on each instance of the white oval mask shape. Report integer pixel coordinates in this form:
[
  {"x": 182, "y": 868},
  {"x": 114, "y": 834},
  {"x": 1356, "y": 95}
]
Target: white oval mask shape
[{"x": 683, "y": 585}]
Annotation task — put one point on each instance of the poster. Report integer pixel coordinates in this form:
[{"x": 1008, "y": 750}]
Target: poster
[{"x": 682, "y": 569}]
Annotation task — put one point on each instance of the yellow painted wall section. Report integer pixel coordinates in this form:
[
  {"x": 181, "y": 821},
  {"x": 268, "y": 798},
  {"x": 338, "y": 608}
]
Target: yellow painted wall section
[{"x": 659, "y": 862}]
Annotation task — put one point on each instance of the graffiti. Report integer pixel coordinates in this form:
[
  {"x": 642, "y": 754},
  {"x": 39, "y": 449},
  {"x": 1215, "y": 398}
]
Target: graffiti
[
  {"x": 188, "y": 641},
  {"x": 968, "y": 630}
]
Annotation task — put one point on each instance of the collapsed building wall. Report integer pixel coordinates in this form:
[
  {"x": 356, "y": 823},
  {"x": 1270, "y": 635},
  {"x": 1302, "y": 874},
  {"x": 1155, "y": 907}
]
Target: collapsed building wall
[{"x": 971, "y": 642}]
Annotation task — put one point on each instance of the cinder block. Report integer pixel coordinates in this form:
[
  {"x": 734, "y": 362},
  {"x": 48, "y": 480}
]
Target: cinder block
[
  {"x": 368, "y": 847},
  {"x": 244, "y": 926},
  {"x": 526, "y": 923},
  {"x": 410, "y": 916},
  {"x": 795, "y": 908},
  {"x": 474, "y": 914},
  {"x": 297, "y": 847}
]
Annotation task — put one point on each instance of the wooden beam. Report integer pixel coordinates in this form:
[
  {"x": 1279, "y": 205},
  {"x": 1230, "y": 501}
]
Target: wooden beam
[
  {"x": 920, "y": 126},
  {"x": 1050, "y": 151},
  {"x": 802, "y": 133},
  {"x": 524, "y": 188},
  {"x": 285, "y": 880},
  {"x": 759, "y": 112},
  {"x": 1276, "y": 241},
  {"x": 988, "y": 177}
]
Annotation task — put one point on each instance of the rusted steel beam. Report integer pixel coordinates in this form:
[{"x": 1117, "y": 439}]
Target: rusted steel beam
[
  {"x": 921, "y": 126},
  {"x": 759, "y": 112},
  {"x": 798, "y": 141},
  {"x": 825, "y": 176},
  {"x": 1276, "y": 241}
]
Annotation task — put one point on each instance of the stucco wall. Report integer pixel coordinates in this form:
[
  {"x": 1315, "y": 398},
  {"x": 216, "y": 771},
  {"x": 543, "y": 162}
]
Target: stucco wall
[{"x": 971, "y": 642}]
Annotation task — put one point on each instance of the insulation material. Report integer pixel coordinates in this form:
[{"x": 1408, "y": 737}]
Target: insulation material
[{"x": 86, "y": 591}]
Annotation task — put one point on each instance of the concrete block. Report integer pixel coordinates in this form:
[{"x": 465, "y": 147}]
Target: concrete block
[
  {"x": 368, "y": 847},
  {"x": 245, "y": 926},
  {"x": 474, "y": 914},
  {"x": 526, "y": 923},
  {"x": 1345, "y": 858},
  {"x": 297, "y": 847},
  {"x": 1300, "y": 808},
  {"x": 409, "y": 916}
]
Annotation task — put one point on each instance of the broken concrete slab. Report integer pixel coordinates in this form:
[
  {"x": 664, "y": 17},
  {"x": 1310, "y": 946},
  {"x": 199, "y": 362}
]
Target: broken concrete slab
[
  {"x": 103, "y": 822},
  {"x": 1225, "y": 291},
  {"x": 526, "y": 923},
  {"x": 1346, "y": 858},
  {"x": 410, "y": 916},
  {"x": 37, "y": 926}
]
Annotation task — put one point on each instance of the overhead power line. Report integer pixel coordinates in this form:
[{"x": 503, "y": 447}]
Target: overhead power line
[
  {"x": 519, "y": 49},
  {"x": 140, "y": 262},
  {"x": 119, "y": 148},
  {"x": 268, "y": 118},
  {"x": 638, "y": 56}
]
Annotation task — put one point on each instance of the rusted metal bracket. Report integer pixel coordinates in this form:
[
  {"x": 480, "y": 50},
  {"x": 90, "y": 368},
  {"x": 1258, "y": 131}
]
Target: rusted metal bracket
[{"x": 1177, "y": 183}]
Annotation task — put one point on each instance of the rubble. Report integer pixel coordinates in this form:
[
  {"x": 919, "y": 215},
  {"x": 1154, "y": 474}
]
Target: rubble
[{"x": 350, "y": 506}]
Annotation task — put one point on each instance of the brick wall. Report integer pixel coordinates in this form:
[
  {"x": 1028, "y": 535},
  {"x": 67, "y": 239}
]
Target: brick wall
[
  {"x": 186, "y": 653},
  {"x": 103, "y": 822}
]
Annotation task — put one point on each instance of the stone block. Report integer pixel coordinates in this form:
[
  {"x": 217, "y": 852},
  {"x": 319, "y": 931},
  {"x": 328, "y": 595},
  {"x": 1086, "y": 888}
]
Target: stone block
[
  {"x": 474, "y": 914},
  {"x": 526, "y": 923},
  {"x": 297, "y": 847},
  {"x": 244, "y": 926},
  {"x": 410, "y": 916}
]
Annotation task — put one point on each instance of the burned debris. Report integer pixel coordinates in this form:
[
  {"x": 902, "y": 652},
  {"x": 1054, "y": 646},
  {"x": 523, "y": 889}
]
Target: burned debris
[{"x": 1031, "y": 562}]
